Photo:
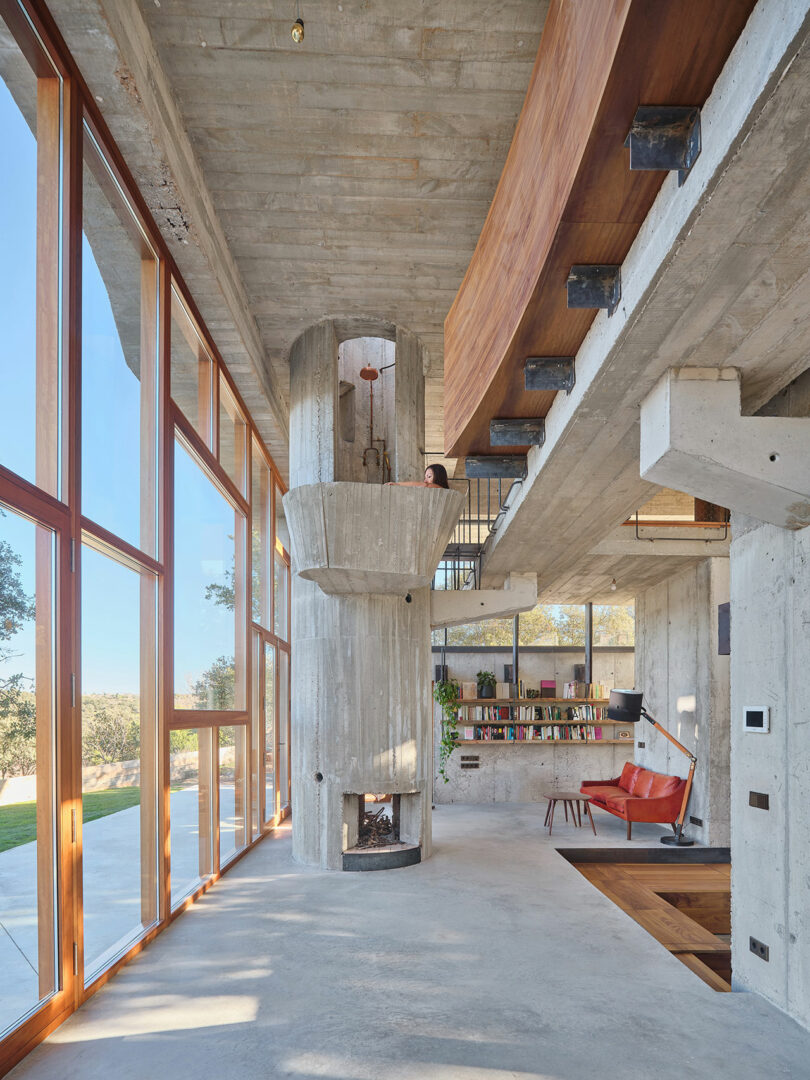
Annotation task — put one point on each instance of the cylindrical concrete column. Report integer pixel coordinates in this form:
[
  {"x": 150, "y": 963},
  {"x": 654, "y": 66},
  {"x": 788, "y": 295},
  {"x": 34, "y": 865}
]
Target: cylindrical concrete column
[
  {"x": 363, "y": 557},
  {"x": 361, "y": 720},
  {"x": 313, "y": 405}
]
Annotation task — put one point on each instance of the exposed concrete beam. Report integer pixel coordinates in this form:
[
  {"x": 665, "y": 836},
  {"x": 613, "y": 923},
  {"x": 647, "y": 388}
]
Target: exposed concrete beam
[
  {"x": 694, "y": 438},
  {"x": 717, "y": 275},
  {"x": 695, "y": 544},
  {"x": 456, "y": 607}
]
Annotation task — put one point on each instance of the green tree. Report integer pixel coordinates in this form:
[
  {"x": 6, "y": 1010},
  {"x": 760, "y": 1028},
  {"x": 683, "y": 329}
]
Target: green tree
[
  {"x": 108, "y": 737},
  {"x": 18, "y": 718},
  {"x": 548, "y": 624},
  {"x": 215, "y": 687}
]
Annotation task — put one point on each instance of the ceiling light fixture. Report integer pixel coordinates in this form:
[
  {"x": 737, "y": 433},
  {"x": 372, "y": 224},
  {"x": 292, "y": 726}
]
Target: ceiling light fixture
[
  {"x": 613, "y": 585},
  {"x": 297, "y": 31}
]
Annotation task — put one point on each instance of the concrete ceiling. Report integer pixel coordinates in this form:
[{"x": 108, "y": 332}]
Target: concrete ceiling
[
  {"x": 352, "y": 173},
  {"x": 349, "y": 175}
]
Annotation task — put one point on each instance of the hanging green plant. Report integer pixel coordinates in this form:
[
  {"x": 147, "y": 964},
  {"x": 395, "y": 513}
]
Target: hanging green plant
[{"x": 446, "y": 693}]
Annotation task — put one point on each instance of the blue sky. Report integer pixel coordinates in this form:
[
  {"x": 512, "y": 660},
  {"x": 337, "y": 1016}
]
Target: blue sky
[
  {"x": 17, "y": 289},
  {"x": 110, "y": 460}
]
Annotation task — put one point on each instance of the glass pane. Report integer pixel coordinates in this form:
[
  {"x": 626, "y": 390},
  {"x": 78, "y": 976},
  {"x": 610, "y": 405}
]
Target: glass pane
[
  {"x": 614, "y": 624},
  {"x": 191, "y": 373},
  {"x": 205, "y": 592},
  {"x": 190, "y": 812},
  {"x": 282, "y": 532},
  {"x": 27, "y": 849},
  {"x": 232, "y": 759},
  {"x": 119, "y": 361},
  {"x": 232, "y": 437},
  {"x": 119, "y": 757},
  {"x": 281, "y": 585},
  {"x": 262, "y": 545},
  {"x": 284, "y": 727},
  {"x": 29, "y": 355},
  {"x": 553, "y": 624},
  {"x": 269, "y": 699}
]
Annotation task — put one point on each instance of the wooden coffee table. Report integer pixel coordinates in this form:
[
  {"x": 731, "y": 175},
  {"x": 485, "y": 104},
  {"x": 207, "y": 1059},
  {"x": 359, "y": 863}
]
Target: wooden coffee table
[{"x": 574, "y": 799}]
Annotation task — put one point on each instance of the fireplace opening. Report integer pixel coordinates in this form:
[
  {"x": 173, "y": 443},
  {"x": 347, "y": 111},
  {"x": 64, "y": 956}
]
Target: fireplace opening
[
  {"x": 381, "y": 831},
  {"x": 378, "y": 820}
]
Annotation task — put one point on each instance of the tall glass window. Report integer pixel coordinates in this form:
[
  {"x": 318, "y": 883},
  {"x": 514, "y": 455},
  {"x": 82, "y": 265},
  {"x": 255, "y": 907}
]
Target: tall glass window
[
  {"x": 268, "y": 698},
  {"x": 281, "y": 572},
  {"x": 208, "y": 593},
  {"x": 30, "y": 129},
  {"x": 283, "y": 766},
  {"x": 232, "y": 762},
  {"x": 191, "y": 372},
  {"x": 262, "y": 533},
  {"x": 119, "y": 757},
  {"x": 190, "y": 811},
  {"x": 232, "y": 437},
  {"x": 27, "y": 812},
  {"x": 119, "y": 360}
]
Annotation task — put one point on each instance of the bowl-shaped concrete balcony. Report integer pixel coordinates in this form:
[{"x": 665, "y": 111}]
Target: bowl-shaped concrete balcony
[{"x": 370, "y": 538}]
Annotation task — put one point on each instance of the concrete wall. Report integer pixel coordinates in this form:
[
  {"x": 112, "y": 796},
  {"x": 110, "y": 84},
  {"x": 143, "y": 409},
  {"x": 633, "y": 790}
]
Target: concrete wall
[
  {"x": 520, "y": 772},
  {"x": 770, "y": 661},
  {"x": 686, "y": 689}
]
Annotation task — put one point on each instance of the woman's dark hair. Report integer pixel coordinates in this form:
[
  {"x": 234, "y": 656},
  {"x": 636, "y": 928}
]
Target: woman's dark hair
[{"x": 439, "y": 475}]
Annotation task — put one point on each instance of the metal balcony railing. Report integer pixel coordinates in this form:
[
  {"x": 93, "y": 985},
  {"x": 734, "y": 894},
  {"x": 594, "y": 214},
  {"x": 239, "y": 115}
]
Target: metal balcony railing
[{"x": 484, "y": 505}]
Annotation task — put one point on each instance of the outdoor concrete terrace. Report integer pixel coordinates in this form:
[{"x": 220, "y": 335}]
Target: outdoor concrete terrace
[{"x": 495, "y": 959}]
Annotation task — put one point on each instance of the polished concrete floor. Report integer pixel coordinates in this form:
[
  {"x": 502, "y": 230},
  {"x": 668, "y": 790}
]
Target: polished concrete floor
[
  {"x": 494, "y": 959},
  {"x": 111, "y": 887}
]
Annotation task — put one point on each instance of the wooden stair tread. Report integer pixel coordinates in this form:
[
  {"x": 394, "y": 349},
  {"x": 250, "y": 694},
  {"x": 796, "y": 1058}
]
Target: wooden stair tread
[
  {"x": 696, "y": 965},
  {"x": 665, "y": 878},
  {"x": 669, "y": 926}
]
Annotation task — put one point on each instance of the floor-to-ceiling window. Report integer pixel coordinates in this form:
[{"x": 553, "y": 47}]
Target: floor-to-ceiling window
[
  {"x": 28, "y": 870},
  {"x": 144, "y": 590},
  {"x": 32, "y": 523},
  {"x": 270, "y": 579}
]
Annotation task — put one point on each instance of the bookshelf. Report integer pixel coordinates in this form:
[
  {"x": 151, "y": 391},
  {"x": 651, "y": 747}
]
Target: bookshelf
[{"x": 540, "y": 722}]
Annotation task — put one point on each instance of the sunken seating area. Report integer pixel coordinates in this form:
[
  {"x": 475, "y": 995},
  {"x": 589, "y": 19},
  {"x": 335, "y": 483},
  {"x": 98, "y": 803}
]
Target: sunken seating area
[{"x": 637, "y": 795}]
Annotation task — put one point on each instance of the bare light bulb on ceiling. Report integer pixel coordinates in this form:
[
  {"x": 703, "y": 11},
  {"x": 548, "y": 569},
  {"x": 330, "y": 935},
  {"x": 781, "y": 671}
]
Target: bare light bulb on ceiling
[
  {"x": 613, "y": 585},
  {"x": 297, "y": 31}
]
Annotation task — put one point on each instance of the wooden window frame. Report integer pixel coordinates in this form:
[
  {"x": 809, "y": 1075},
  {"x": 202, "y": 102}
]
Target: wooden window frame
[{"x": 54, "y": 501}]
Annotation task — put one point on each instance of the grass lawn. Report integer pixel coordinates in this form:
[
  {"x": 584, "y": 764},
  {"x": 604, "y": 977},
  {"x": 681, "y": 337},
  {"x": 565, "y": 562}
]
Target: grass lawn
[{"x": 18, "y": 822}]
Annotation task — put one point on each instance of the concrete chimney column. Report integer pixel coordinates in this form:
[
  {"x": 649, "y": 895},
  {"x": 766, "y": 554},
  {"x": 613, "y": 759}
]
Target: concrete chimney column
[{"x": 363, "y": 558}]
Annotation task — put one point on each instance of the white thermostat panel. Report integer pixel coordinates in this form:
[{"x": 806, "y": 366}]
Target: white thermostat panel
[{"x": 757, "y": 718}]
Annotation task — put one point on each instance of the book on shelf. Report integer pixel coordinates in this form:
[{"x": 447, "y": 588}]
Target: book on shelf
[
  {"x": 469, "y": 690},
  {"x": 599, "y": 691},
  {"x": 548, "y": 688},
  {"x": 533, "y": 733}
]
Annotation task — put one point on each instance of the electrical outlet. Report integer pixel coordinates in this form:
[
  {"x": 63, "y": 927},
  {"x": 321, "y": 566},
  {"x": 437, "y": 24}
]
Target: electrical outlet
[
  {"x": 641, "y": 745},
  {"x": 758, "y": 949}
]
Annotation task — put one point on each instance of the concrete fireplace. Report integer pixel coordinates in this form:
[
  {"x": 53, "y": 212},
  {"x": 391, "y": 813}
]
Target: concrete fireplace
[{"x": 364, "y": 553}]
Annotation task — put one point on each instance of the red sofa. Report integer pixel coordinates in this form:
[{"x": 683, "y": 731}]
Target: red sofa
[{"x": 638, "y": 795}]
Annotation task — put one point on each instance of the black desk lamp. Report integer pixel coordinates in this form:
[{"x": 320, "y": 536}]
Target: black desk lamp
[{"x": 626, "y": 707}]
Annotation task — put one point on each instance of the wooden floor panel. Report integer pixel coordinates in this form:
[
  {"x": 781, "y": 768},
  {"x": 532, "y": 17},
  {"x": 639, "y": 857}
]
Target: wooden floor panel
[{"x": 686, "y": 919}]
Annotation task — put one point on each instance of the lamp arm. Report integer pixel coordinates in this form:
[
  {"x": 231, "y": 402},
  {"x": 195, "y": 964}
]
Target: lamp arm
[
  {"x": 667, "y": 735},
  {"x": 692, "y": 763}
]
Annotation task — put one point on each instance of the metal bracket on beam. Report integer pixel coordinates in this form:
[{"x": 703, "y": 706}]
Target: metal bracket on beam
[
  {"x": 665, "y": 137},
  {"x": 549, "y": 373},
  {"x": 491, "y": 468},
  {"x": 597, "y": 286},
  {"x": 528, "y": 432}
]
